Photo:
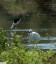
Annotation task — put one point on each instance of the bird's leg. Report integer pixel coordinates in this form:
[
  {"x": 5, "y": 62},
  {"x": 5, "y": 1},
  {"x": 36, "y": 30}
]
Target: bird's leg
[
  {"x": 12, "y": 26},
  {"x": 36, "y": 44},
  {"x": 47, "y": 35},
  {"x": 33, "y": 44}
]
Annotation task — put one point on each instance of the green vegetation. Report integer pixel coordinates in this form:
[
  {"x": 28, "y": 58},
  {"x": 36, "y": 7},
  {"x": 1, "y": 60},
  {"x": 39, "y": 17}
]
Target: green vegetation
[{"x": 16, "y": 53}]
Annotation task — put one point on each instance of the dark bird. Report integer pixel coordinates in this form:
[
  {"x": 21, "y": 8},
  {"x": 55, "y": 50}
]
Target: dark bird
[{"x": 16, "y": 21}]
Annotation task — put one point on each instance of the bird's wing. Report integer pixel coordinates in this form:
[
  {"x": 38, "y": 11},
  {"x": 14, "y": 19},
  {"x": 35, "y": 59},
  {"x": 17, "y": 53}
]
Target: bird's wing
[{"x": 17, "y": 22}]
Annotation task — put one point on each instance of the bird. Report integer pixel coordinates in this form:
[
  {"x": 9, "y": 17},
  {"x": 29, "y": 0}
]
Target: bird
[
  {"x": 34, "y": 37},
  {"x": 16, "y": 21}
]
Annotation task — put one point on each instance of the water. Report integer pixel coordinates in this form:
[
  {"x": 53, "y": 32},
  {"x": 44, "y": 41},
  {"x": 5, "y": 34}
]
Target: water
[
  {"x": 46, "y": 42},
  {"x": 50, "y": 38},
  {"x": 46, "y": 35},
  {"x": 44, "y": 46},
  {"x": 38, "y": 19}
]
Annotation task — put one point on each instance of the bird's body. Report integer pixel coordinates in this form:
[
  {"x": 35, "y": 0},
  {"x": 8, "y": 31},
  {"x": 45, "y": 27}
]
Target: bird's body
[
  {"x": 16, "y": 21},
  {"x": 34, "y": 37}
]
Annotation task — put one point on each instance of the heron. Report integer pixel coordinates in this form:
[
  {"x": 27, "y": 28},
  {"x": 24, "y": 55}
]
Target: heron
[
  {"x": 16, "y": 21},
  {"x": 34, "y": 37}
]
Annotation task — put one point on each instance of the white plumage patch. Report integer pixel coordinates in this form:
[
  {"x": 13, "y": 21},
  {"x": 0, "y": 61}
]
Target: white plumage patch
[{"x": 34, "y": 37}]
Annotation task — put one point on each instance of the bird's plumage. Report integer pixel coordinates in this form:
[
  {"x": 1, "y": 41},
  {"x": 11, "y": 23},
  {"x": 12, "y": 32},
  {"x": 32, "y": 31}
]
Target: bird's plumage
[
  {"x": 34, "y": 37},
  {"x": 16, "y": 21}
]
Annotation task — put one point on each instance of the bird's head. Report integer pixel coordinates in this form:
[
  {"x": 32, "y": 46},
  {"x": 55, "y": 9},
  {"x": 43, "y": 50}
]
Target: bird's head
[
  {"x": 30, "y": 30},
  {"x": 17, "y": 18}
]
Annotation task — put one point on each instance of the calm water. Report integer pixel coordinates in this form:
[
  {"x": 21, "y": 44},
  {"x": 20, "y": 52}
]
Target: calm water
[
  {"x": 40, "y": 18},
  {"x": 47, "y": 41},
  {"x": 40, "y": 22},
  {"x": 44, "y": 46}
]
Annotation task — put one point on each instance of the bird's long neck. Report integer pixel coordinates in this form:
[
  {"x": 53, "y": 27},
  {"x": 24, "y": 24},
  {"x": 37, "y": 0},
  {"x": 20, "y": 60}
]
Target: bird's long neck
[{"x": 12, "y": 25}]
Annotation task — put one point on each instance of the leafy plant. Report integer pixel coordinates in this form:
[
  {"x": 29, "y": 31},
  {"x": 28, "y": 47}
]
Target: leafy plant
[
  {"x": 17, "y": 53},
  {"x": 3, "y": 40}
]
